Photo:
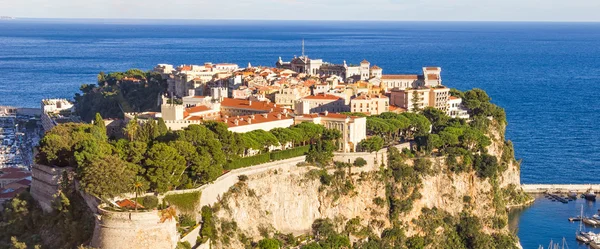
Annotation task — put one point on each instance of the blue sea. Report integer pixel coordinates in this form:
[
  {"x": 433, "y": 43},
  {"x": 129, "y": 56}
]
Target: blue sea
[{"x": 546, "y": 75}]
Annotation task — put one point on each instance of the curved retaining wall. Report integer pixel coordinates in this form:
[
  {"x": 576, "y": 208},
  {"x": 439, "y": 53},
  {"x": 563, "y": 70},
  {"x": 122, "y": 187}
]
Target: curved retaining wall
[{"x": 133, "y": 230}]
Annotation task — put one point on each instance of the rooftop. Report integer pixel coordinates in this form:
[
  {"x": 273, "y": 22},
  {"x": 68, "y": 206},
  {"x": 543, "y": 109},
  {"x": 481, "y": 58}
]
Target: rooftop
[
  {"x": 246, "y": 104},
  {"x": 400, "y": 77},
  {"x": 323, "y": 97}
]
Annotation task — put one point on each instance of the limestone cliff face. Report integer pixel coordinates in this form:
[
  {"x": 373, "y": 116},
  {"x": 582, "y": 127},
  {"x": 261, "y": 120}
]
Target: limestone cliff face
[{"x": 288, "y": 200}]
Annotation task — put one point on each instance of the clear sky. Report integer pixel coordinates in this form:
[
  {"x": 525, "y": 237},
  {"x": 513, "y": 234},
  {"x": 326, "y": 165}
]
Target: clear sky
[{"x": 418, "y": 10}]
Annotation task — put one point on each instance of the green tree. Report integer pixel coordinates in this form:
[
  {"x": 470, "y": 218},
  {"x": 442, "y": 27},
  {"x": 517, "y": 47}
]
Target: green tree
[
  {"x": 359, "y": 162},
  {"x": 269, "y": 244},
  {"x": 415, "y": 101},
  {"x": 132, "y": 129},
  {"x": 99, "y": 123},
  {"x": 164, "y": 167},
  {"x": 371, "y": 144},
  {"x": 162, "y": 127},
  {"x": 107, "y": 177}
]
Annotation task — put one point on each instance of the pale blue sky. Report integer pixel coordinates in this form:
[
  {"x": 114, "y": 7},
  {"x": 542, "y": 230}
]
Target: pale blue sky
[{"x": 420, "y": 10}]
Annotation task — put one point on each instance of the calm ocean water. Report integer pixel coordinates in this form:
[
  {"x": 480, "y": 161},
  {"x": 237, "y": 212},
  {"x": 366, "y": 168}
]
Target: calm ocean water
[{"x": 544, "y": 74}]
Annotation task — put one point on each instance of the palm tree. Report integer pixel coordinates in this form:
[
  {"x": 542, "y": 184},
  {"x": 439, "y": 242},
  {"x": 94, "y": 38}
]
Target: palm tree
[
  {"x": 131, "y": 129},
  {"x": 137, "y": 187}
]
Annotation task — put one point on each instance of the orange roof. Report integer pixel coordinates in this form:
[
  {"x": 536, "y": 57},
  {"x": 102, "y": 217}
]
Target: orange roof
[
  {"x": 128, "y": 204},
  {"x": 400, "y": 77},
  {"x": 253, "y": 119},
  {"x": 432, "y": 68},
  {"x": 323, "y": 97},
  {"x": 185, "y": 68},
  {"x": 246, "y": 104},
  {"x": 375, "y": 67},
  {"x": 328, "y": 115},
  {"x": 200, "y": 108},
  {"x": 452, "y": 97},
  {"x": 364, "y": 61},
  {"x": 433, "y": 77}
]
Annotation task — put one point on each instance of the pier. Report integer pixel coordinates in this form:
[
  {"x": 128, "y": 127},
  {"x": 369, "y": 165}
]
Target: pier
[{"x": 543, "y": 188}]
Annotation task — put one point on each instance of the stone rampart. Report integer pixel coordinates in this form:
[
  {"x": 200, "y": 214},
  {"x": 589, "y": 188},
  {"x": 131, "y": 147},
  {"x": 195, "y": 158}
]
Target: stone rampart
[
  {"x": 133, "y": 230},
  {"x": 45, "y": 184}
]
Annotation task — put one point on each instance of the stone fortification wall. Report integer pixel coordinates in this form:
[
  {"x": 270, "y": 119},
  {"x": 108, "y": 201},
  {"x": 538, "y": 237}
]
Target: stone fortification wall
[
  {"x": 374, "y": 159},
  {"x": 133, "y": 230},
  {"x": 45, "y": 184}
]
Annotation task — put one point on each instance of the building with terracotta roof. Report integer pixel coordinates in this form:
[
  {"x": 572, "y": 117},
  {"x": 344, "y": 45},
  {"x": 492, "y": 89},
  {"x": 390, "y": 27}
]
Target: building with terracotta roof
[
  {"x": 370, "y": 104},
  {"x": 264, "y": 121},
  {"x": 320, "y": 103},
  {"x": 400, "y": 81},
  {"x": 352, "y": 128},
  {"x": 425, "y": 96},
  {"x": 11, "y": 175}
]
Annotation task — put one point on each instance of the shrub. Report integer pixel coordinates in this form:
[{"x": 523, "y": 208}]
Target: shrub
[
  {"x": 184, "y": 245},
  {"x": 289, "y": 153},
  {"x": 359, "y": 162},
  {"x": 248, "y": 161},
  {"x": 149, "y": 201},
  {"x": 207, "y": 231},
  {"x": 186, "y": 202},
  {"x": 269, "y": 244},
  {"x": 186, "y": 220},
  {"x": 379, "y": 201},
  {"x": 326, "y": 178},
  {"x": 243, "y": 178}
]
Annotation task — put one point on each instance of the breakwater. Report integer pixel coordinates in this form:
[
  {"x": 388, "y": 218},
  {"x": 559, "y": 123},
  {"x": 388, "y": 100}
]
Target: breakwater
[{"x": 542, "y": 188}]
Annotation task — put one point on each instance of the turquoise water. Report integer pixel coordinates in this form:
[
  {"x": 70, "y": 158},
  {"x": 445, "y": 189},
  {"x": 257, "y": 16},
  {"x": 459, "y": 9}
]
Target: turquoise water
[{"x": 544, "y": 74}]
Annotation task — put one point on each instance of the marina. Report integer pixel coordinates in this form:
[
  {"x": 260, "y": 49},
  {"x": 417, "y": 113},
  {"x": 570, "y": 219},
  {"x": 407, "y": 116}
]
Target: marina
[
  {"x": 559, "y": 220},
  {"x": 19, "y": 134}
]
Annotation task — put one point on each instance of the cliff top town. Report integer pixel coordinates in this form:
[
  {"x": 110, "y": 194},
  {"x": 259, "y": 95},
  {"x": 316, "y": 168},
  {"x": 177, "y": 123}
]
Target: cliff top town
[
  {"x": 301, "y": 90},
  {"x": 155, "y": 176}
]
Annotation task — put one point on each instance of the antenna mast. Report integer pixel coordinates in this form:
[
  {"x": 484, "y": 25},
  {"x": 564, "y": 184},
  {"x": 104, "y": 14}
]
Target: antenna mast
[{"x": 303, "y": 47}]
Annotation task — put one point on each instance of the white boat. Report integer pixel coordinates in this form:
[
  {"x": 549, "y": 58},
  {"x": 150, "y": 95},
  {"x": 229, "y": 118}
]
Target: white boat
[{"x": 581, "y": 236}]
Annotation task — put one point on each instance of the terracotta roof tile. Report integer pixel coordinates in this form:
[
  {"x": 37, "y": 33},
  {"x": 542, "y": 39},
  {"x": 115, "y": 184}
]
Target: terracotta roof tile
[
  {"x": 400, "y": 77},
  {"x": 200, "y": 108},
  {"x": 323, "y": 97}
]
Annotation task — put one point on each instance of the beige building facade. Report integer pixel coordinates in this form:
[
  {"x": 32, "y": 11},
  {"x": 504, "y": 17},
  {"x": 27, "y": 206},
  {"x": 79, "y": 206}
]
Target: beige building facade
[{"x": 352, "y": 128}]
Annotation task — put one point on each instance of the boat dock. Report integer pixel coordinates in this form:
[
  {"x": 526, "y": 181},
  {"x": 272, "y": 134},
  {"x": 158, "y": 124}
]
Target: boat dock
[{"x": 548, "y": 188}]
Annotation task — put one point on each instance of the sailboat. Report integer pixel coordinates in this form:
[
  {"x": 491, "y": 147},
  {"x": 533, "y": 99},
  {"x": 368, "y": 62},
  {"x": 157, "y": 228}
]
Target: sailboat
[{"x": 582, "y": 236}]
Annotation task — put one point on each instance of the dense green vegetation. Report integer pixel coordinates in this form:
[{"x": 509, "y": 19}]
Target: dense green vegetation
[
  {"x": 118, "y": 92},
  {"x": 463, "y": 231},
  {"x": 24, "y": 225},
  {"x": 167, "y": 160},
  {"x": 186, "y": 202}
]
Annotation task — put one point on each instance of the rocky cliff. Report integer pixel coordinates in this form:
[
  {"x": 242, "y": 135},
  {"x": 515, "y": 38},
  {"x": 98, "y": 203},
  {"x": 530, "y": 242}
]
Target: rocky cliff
[{"x": 289, "y": 201}]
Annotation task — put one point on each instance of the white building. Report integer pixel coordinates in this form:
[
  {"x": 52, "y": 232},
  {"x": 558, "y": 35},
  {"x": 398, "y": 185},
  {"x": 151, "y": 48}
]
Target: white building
[
  {"x": 55, "y": 111},
  {"x": 352, "y": 128},
  {"x": 321, "y": 103},
  {"x": 456, "y": 108}
]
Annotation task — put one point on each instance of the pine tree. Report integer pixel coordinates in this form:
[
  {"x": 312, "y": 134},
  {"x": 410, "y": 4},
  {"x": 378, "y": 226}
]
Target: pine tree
[
  {"x": 99, "y": 122},
  {"x": 162, "y": 127},
  {"x": 416, "y": 101}
]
